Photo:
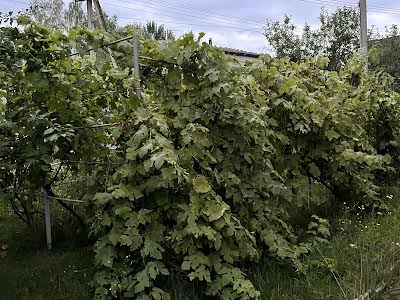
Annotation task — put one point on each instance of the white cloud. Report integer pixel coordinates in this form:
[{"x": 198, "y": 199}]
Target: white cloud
[
  {"x": 250, "y": 41},
  {"x": 380, "y": 20}
]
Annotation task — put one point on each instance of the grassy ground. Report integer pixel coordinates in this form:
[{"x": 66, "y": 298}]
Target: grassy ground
[
  {"x": 29, "y": 271},
  {"x": 361, "y": 262},
  {"x": 364, "y": 259}
]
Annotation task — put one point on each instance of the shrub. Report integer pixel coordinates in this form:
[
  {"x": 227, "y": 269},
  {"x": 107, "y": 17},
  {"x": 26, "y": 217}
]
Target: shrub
[
  {"x": 210, "y": 171},
  {"x": 220, "y": 160}
]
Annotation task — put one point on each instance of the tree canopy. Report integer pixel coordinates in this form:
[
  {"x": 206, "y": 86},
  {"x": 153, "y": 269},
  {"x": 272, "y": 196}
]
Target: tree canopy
[
  {"x": 151, "y": 30},
  {"x": 336, "y": 38},
  {"x": 388, "y": 53},
  {"x": 54, "y": 14}
]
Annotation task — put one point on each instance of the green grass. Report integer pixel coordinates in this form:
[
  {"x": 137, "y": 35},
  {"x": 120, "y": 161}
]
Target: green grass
[
  {"x": 364, "y": 259},
  {"x": 31, "y": 272},
  {"x": 364, "y": 256}
]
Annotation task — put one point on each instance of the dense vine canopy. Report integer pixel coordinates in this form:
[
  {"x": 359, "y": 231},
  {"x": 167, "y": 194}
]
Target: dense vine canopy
[{"x": 209, "y": 172}]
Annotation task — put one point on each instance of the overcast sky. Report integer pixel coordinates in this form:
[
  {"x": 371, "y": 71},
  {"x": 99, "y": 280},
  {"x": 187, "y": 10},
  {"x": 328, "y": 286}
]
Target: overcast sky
[{"x": 230, "y": 23}]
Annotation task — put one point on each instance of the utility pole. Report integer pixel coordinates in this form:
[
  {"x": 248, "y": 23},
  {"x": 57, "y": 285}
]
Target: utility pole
[{"x": 363, "y": 31}]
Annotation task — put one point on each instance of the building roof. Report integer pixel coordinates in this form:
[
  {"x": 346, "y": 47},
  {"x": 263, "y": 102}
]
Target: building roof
[{"x": 241, "y": 53}]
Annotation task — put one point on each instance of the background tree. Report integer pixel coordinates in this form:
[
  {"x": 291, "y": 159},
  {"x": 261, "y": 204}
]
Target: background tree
[
  {"x": 48, "y": 12},
  {"x": 284, "y": 40},
  {"x": 74, "y": 15},
  {"x": 340, "y": 35},
  {"x": 157, "y": 32},
  {"x": 388, "y": 50},
  {"x": 151, "y": 30},
  {"x": 53, "y": 13},
  {"x": 336, "y": 37}
]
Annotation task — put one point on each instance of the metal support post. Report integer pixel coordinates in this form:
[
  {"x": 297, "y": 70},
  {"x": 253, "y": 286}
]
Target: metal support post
[
  {"x": 136, "y": 71},
  {"x": 47, "y": 218}
]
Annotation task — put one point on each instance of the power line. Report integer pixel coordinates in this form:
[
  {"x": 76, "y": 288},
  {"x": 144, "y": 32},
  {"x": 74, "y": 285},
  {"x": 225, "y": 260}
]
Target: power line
[
  {"x": 225, "y": 25},
  {"x": 203, "y": 11},
  {"x": 378, "y": 9},
  {"x": 19, "y": 2},
  {"x": 384, "y": 11},
  {"x": 353, "y": 3},
  {"x": 385, "y": 8},
  {"x": 371, "y": 8},
  {"x": 327, "y": 2},
  {"x": 189, "y": 9},
  {"x": 235, "y": 19},
  {"x": 191, "y": 24}
]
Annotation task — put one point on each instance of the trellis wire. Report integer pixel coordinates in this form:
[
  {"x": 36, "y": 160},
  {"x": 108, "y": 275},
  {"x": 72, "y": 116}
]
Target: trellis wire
[
  {"x": 120, "y": 41},
  {"x": 87, "y": 162},
  {"x": 66, "y": 199}
]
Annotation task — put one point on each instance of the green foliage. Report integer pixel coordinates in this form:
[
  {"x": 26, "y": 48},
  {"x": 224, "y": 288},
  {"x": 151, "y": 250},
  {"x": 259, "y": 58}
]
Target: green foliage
[
  {"x": 363, "y": 255},
  {"x": 48, "y": 13},
  {"x": 208, "y": 172},
  {"x": 28, "y": 272},
  {"x": 386, "y": 47},
  {"x": 151, "y": 30},
  {"x": 47, "y": 98},
  {"x": 336, "y": 38},
  {"x": 52, "y": 13},
  {"x": 223, "y": 156}
]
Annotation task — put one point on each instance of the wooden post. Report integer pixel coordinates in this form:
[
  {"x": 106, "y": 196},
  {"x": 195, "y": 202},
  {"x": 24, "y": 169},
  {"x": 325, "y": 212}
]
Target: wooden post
[
  {"x": 135, "y": 42},
  {"x": 47, "y": 218},
  {"x": 363, "y": 31},
  {"x": 103, "y": 26},
  {"x": 89, "y": 6},
  {"x": 102, "y": 21}
]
